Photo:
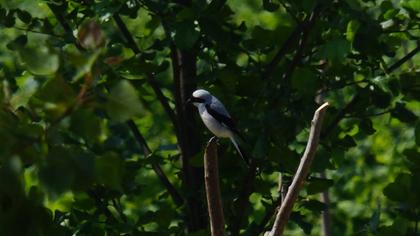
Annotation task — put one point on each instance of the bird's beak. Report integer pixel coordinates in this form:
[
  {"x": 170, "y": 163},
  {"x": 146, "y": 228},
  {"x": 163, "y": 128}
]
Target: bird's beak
[{"x": 189, "y": 101}]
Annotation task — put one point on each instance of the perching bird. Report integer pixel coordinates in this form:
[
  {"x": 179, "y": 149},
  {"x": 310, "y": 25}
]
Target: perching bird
[{"x": 216, "y": 118}]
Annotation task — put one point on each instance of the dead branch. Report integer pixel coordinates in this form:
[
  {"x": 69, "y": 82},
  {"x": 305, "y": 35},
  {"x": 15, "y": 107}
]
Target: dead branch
[
  {"x": 301, "y": 173},
  {"x": 214, "y": 199}
]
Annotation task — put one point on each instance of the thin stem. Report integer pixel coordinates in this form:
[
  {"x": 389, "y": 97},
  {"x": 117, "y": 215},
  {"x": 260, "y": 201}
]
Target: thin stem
[
  {"x": 151, "y": 78},
  {"x": 326, "y": 217},
  {"x": 407, "y": 57},
  {"x": 133, "y": 127},
  {"x": 156, "y": 167},
  {"x": 340, "y": 115},
  {"x": 369, "y": 115},
  {"x": 118, "y": 207},
  {"x": 282, "y": 52},
  {"x": 305, "y": 35},
  {"x": 60, "y": 18},
  {"x": 301, "y": 173},
  {"x": 39, "y": 32},
  {"x": 243, "y": 201}
]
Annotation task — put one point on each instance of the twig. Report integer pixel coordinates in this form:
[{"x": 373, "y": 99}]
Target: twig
[
  {"x": 65, "y": 25},
  {"x": 163, "y": 100},
  {"x": 341, "y": 114},
  {"x": 282, "y": 52},
  {"x": 38, "y": 32},
  {"x": 151, "y": 79},
  {"x": 326, "y": 217},
  {"x": 184, "y": 70},
  {"x": 370, "y": 115},
  {"x": 156, "y": 167},
  {"x": 133, "y": 127},
  {"x": 214, "y": 199},
  {"x": 127, "y": 35},
  {"x": 302, "y": 28},
  {"x": 301, "y": 173},
  {"x": 305, "y": 35},
  {"x": 243, "y": 201},
  {"x": 407, "y": 57},
  {"x": 118, "y": 207}
]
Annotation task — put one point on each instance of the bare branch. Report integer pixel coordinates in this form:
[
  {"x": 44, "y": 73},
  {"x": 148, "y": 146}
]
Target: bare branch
[
  {"x": 308, "y": 25},
  {"x": 150, "y": 79},
  {"x": 282, "y": 52},
  {"x": 184, "y": 70},
  {"x": 243, "y": 200},
  {"x": 341, "y": 114},
  {"x": 303, "y": 29},
  {"x": 214, "y": 199},
  {"x": 301, "y": 173},
  {"x": 133, "y": 127},
  {"x": 403, "y": 60},
  {"x": 156, "y": 167},
  {"x": 65, "y": 25},
  {"x": 326, "y": 217}
]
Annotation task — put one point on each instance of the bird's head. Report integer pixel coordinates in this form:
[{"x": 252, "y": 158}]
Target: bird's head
[{"x": 200, "y": 96}]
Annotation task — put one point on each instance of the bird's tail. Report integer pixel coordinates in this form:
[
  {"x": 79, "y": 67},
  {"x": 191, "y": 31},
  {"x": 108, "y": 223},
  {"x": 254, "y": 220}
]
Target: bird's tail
[{"x": 241, "y": 151}]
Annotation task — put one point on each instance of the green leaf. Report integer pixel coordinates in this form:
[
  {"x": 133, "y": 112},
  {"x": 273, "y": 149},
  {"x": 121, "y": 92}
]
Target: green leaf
[
  {"x": 84, "y": 63},
  {"x": 352, "y": 28},
  {"x": 123, "y": 102},
  {"x": 318, "y": 185},
  {"x": 54, "y": 97},
  {"x": 398, "y": 228},
  {"x": 399, "y": 190},
  {"x": 18, "y": 43},
  {"x": 67, "y": 167},
  {"x": 417, "y": 133},
  {"x": 269, "y": 5},
  {"x": 27, "y": 87},
  {"x": 109, "y": 170},
  {"x": 24, "y": 16},
  {"x": 9, "y": 19},
  {"x": 335, "y": 50},
  {"x": 403, "y": 114},
  {"x": 86, "y": 124},
  {"x": 375, "y": 219},
  {"x": 314, "y": 205},
  {"x": 186, "y": 34},
  {"x": 305, "y": 81},
  {"x": 39, "y": 60},
  {"x": 412, "y": 5}
]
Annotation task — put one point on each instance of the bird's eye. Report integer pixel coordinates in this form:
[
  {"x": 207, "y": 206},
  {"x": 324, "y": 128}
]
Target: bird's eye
[{"x": 197, "y": 100}]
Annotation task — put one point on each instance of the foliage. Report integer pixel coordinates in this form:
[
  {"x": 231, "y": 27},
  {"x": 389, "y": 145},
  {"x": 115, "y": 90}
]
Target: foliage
[{"x": 96, "y": 137}]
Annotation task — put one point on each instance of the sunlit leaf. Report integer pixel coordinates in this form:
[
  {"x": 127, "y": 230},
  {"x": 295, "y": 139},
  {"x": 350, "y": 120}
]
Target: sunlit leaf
[
  {"x": 39, "y": 60},
  {"x": 123, "y": 102}
]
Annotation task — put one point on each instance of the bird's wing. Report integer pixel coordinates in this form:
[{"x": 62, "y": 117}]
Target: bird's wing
[{"x": 218, "y": 111}]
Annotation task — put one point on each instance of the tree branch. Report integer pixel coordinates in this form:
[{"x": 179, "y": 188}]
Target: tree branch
[
  {"x": 163, "y": 100},
  {"x": 133, "y": 127},
  {"x": 156, "y": 167},
  {"x": 403, "y": 60},
  {"x": 184, "y": 71},
  {"x": 326, "y": 217},
  {"x": 150, "y": 78},
  {"x": 301, "y": 173},
  {"x": 60, "y": 18},
  {"x": 303, "y": 29},
  {"x": 214, "y": 199},
  {"x": 308, "y": 25},
  {"x": 269, "y": 70},
  {"x": 243, "y": 199},
  {"x": 341, "y": 114}
]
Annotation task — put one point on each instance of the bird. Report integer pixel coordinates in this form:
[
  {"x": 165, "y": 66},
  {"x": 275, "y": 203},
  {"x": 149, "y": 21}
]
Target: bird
[{"x": 217, "y": 119}]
